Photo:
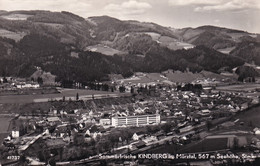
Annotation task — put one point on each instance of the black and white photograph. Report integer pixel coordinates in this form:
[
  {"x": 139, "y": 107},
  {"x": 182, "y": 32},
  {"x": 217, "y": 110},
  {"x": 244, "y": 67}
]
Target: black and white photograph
[{"x": 129, "y": 83}]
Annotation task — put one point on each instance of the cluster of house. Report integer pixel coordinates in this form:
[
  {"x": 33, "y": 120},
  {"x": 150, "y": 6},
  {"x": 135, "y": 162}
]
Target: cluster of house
[
  {"x": 205, "y": 102},
  {"x": 186, "y": 107},
  {"x": 27, "y": 85},
  {"x": 62, "y": 125},
  {"x": 170, "y": 103},
  {"x": 9, "y": 83}
]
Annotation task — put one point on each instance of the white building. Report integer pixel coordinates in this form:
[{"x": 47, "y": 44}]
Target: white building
[
  {"x": 15, "y": 133},
  {"x": 135, "y": 137},
  {"x": 105, "y": 122},
  {"x": 205, "y": 112},
  {"x": 135, "y": 120},
  {"x": 28, "y": 85}
]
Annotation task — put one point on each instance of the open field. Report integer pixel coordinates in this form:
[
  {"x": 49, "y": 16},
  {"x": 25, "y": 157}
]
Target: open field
[
  {"x": 179, "y": 45},
  {"x": 68, "y": 93},
  {"x": 207, "y": 145},
  {"x": 16, "y": 16},
  {"x": 103, "y": 49},
  {"x": 12, "y": 35},
  {"x": 144, "y": 78},
  {"x": 176, "y": 76},
  {"x": 169, "y": 42},
  {"x": 251, "y": 116},
  {"x": 226, "y": 50},
  {"x": 28, "y": 91},
  {"x": 4, "y": 123}
]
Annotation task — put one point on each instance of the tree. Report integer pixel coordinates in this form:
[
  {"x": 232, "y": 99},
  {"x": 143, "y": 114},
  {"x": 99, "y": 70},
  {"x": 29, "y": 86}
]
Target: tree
[
  {"x": 236, "y": 145},
  {"x": 40, "y": 80},
  {"x": 77, "y": 96},
  {"x": 186, "y": 113},
  {"x": 5, "y": 80},
  {"x": 52, "y": 161},
  {"x": 78, "y": 139},
  {"x": 166, "y": 127},
  {"x": 121, "y": 89},
  {"x": 209, "y": 125},
  {"x": 105, "y": 87},
  {"x": 149, "y": 129},
  {"x": 75, "y": 140},
  {"x": 92, "y": 142},
  {"x": 132, "y": 89},
  {"x": 71, "y": 120},
  {"x": 240, "y": 78},
  {"x": 3, "y": 73},
  {"x": 41, "y": 156},
  {"x": 44, "y": 155},
  {"x": 250, "y": 123},
  {"x": 22, "y": 129},
  {"x": 106, "y": 145},
  {"x": 23, "y": 160},
  {"x": 113, "y": 140},
  {"x": 103, "y": 163}
]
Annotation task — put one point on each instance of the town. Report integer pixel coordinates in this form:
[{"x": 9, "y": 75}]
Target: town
[{"x": 158, "y": 116}]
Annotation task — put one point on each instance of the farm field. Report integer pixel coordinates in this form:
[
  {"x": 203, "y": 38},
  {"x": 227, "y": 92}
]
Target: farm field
[
  {"x": 4, "y": 124},
  {"x": 170, "y": 76},
  {"x": 179, "y": 45},
  {"x": 68, "y": 93},
  {"x": 17, "y": 36},
  {"x": 251, "y": 116},
  {"x": 178, "y": 76},
  {"x": 16, "y": 16},
  {"x": 28, "y": 91},
  {"x": 207, "y": 145},
  {"x": 103, "y": 49},
  {"x": 169, "y": 42},
  {"x": 226, "y": 50},
  {"x": 144, "y": 78},
  {"x": 165, "y": 149}
]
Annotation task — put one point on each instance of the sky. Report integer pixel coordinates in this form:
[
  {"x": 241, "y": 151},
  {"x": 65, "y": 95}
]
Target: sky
[{"x": 236, "y": 14}]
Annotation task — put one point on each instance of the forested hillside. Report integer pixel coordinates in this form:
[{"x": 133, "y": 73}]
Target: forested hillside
[{"x": 73, "y": 48}]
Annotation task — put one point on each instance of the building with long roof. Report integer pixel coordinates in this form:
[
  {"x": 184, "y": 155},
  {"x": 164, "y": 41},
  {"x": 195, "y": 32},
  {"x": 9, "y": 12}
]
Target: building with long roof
[{"x": 138, "y": 120}]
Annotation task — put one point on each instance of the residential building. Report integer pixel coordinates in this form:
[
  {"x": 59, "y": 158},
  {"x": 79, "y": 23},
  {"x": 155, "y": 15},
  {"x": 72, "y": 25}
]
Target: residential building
[
  {"x": 27, "y": 85},
  {"x": 137, "y": 136},
  {"x": 105, "y": 122},
  {"x": 15, "y": 133},
  {"x": 135, "y": 120}
]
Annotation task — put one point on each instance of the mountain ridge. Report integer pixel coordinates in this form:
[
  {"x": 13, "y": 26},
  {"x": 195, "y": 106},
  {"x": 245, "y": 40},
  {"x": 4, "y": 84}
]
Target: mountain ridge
[{"x": 55, "y": 41}]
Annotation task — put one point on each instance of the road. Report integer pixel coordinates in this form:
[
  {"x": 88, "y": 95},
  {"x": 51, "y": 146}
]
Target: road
[
  {"x": 29, "y": 143},
  {"x": 84, "y": 98}
]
